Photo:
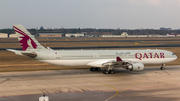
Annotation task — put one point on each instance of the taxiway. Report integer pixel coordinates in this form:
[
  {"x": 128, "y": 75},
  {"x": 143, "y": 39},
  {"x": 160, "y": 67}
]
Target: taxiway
[{"x": 83, "y": 85}]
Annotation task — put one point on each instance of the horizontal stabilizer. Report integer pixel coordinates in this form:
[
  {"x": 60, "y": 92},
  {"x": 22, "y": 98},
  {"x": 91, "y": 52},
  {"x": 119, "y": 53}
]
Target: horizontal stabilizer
[
  {"x": 25, "y": 53},
  {"x": 11, "y": 50}
]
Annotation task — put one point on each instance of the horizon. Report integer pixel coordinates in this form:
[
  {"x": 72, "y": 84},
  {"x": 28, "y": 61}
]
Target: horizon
[{"x": 99, "y": 14}]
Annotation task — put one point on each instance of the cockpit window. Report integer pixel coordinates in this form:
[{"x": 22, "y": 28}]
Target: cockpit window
[{"x": 172, "y": 53}]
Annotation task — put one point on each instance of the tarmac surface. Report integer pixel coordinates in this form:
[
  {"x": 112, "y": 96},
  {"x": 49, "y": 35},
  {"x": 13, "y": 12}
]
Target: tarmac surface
[{"x": 84, "y": 85}]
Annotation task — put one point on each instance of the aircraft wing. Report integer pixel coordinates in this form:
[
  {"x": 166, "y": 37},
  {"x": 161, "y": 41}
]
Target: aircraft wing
[{"x": 109, "y": 62}]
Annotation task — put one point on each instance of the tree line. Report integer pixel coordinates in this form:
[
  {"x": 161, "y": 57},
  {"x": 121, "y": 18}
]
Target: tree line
[{"x": 89, "y": 30}]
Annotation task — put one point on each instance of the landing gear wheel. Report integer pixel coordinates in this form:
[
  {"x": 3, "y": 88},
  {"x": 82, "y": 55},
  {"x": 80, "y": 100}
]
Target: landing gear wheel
[
  {"x": 105, "y": 72},
  {"x": 92, "y": 69},
  {"x": 98, "y": 69},
  {"x": 108, "y": 72},
  {"x": 111, "y": 72},
  {"x": 162, "y": 68}
]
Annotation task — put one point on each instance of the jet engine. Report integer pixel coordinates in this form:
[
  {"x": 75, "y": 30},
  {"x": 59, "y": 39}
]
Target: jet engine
[{"x": 135, "y": 67}]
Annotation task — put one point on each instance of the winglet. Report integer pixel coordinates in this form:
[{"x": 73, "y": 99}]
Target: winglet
[{"x": 118, "y": 59}]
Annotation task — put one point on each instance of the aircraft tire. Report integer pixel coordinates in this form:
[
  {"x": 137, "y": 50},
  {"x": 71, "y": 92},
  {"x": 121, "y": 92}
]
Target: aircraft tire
[
  {"x": 92, "y": 69},
  {"x": 111, "y": 72},
  {"x": 162, "y": 68},
  {"x": 98, "y": 69},
  {"x": 104, "y": 72}
]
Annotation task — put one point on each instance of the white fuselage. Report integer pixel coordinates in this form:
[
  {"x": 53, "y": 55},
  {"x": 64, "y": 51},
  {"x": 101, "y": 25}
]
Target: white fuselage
[{"x": 95, "y": 58}]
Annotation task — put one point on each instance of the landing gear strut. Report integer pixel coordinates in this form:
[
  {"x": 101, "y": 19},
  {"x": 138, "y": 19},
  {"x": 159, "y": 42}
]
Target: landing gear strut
[{"x": 162, "y": 67}]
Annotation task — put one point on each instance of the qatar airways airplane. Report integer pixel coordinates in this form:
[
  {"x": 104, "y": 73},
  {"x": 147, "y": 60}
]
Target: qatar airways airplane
[{"x": 132, "y": 60}]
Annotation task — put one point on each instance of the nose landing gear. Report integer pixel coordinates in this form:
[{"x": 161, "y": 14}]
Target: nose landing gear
[{"x": 162, "y": 67}]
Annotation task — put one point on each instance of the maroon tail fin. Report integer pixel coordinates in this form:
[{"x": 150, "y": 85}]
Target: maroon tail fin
[{"x": 26, "y": 40}]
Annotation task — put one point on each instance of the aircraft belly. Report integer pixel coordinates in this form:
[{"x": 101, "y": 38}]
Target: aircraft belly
[{"x": 68, "y": 62}]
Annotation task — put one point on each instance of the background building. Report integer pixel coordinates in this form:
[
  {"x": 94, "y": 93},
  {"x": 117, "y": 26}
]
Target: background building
[
  {"x": 50, "y": 35},
  {"x": 97, "y": 34},
  {"x": 74, "y": 35},
  {"x": 162, "y": 28},
  {"x": 125, "y": 34}
]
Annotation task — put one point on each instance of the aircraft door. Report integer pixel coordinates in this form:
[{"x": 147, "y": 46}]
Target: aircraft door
[{"x": 52, "y": 55}]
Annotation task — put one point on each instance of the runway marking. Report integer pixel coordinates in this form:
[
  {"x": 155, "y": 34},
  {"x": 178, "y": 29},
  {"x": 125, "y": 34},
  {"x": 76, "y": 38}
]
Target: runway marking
[
  {"x": 135, "y": 83},
  {"x": 117, "y": 92},
  {"x": 43, "y": 91},
  {"x": 4, "y": 81}
]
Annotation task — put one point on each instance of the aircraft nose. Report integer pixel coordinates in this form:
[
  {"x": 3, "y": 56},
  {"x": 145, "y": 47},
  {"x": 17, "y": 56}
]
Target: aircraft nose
[{"x": 175, "y": 57}]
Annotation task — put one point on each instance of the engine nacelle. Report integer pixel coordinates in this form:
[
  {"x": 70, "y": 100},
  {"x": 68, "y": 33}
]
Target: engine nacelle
[{"x": 136, "y": 67}]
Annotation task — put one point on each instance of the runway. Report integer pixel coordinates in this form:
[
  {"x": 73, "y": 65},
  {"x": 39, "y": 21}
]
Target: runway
[{"x": 83, "y": 85}]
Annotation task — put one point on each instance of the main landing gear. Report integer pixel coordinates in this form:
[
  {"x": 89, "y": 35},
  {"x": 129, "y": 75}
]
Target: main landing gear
[
  {"x": 162, "y": 67},
  {"x": 109, "y": 71},
  {"x": 93, "y": 69}
]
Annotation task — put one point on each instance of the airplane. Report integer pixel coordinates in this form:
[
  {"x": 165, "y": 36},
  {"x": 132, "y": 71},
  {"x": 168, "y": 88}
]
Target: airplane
[{"x": 132, "y": 60}]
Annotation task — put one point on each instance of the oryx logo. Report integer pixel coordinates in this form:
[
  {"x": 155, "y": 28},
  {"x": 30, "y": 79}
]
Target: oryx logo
[
  {"x": 25, "y": 41},
  {"x": 139, "y": 67}
]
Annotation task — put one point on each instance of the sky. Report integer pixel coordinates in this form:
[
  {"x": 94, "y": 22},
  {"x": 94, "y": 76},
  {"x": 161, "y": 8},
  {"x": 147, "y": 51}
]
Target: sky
[{"x": 123, "y": 14}]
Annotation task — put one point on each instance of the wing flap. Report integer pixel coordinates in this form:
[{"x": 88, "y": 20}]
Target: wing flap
[{"x": 108, "y": 62}]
